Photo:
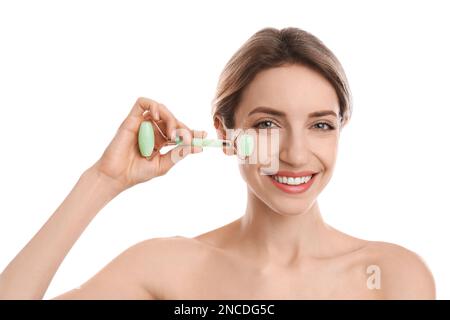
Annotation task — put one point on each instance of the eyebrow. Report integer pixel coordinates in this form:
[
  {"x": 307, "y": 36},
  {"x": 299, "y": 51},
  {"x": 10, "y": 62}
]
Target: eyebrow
[{"x": 275, "y": 112}]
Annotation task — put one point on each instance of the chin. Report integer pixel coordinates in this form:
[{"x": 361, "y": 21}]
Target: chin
[
  {"x": 289, "y": 207},
  {"x": 283, "y": 204}
]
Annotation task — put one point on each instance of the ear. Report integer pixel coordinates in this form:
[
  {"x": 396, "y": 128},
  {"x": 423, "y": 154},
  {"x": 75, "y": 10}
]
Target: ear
[
  {"x": 220, "y": 127},
  {"x": 222, "y": 135}
]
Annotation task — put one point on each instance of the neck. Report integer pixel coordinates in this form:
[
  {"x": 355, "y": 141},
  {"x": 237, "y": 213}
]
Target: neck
[{"x": 272, "y": 236}]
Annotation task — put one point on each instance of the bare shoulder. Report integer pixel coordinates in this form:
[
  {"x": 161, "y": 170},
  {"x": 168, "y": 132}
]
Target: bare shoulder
[
  {"x": 164, "y": 251},
  {"x": 145, "y": 270},
  {"x": 169, "y": 245},
  {"x": 404, "y": 274},
  {"x": 165, "y": 261}
]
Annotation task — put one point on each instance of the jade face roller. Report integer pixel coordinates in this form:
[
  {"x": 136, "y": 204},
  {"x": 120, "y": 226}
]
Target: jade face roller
[{"x": 242, "y": 144}]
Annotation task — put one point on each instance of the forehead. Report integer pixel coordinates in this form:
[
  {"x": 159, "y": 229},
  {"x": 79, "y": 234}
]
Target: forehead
[{"x": 293, "y": 89}]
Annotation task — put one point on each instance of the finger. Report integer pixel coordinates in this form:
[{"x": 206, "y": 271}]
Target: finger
[
  {"x": 198, "y": 134},
  {"x": 157, "y": 111},
  {"x": 186, "y": 131},
  {"x": 141, "y": 105},
  {"x": 169, "y": 119},
  {"x": 170, "y": 158},
  {"x": 152, "y": 112},
  {"x": 141, "y": 109},
  {"x": 186, "y": 136},
  {"x": 130, "y": 124}
]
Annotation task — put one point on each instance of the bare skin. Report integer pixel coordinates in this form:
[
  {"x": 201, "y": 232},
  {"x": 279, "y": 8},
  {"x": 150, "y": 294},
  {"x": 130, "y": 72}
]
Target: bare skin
[{"x": 279, "y": 249}]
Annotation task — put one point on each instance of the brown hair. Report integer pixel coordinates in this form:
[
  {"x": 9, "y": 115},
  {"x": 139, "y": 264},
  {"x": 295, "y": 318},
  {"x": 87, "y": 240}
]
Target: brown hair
[{"x": 269, "y": 48}]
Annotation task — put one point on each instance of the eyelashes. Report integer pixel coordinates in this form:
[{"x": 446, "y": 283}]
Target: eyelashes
[
  {"x": 265, "y": 122},
  {"x": 324, "y": 124},
  {"x": 321, "y": 125}
]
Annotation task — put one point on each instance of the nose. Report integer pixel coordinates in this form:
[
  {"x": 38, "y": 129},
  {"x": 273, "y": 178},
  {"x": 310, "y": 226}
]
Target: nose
[{"x": 294, "y": 149}]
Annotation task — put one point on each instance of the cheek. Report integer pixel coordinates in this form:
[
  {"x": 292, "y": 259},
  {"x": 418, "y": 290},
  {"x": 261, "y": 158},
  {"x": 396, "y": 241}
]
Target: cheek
[
  {"x": 251, "y": 175},
  {"x": 246, "y": 173},
  {"x": 326, "y": 152}
]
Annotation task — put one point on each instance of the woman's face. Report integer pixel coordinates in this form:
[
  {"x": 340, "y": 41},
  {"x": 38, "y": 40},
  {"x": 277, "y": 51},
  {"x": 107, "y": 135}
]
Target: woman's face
[{"x": 306, "y": 119}]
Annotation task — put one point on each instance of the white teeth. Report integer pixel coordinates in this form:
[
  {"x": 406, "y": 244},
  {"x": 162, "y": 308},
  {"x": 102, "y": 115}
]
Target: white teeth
[{"x": 292, "y": 180}]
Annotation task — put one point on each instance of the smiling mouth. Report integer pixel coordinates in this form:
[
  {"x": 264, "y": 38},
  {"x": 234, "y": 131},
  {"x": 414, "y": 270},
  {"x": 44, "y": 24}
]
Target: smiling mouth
[{"x": 293, "y": 184}]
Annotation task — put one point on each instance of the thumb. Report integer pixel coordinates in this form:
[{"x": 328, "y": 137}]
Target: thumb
[{"x": 168, "y": 159}]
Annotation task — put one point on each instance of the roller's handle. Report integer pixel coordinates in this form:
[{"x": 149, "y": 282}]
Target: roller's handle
[
  {"x": 200, "y": 142},
  {"x": 146, "y": 141},
  {"x": 245, "y": 146}
]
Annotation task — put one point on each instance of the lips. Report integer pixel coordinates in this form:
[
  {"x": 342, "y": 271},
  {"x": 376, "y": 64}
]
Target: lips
[{"x": 293, "y": 189}]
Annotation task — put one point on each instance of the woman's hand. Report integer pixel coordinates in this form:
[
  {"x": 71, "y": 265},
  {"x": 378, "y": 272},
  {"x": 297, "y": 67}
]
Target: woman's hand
[
  {"x": 121, "y": 166},
  {"x": 122, "y": 162}
]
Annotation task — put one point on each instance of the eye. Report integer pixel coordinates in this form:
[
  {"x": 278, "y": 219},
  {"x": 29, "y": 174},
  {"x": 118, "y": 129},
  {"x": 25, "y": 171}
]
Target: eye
[
  {"x": 324, "y": 126},
  {"x": 265, "y": 124}
]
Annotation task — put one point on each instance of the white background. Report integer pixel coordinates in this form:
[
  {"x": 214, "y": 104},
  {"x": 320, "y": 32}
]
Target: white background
[{"x": 71, "y": 71}]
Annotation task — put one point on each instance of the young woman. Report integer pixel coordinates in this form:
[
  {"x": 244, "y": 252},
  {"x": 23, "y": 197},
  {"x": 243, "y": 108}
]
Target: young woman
[{"x": 285, "y": 80}]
